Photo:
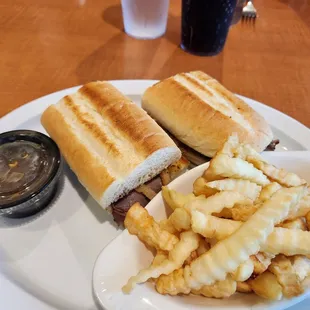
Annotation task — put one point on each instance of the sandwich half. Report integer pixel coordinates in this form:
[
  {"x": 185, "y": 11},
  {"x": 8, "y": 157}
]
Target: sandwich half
[
  {"x": 201, "y": 113},
  {"x": 110, "y": 143}
]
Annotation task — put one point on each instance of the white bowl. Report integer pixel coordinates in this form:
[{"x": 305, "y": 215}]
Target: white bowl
[{"x": 126, "y": 255}]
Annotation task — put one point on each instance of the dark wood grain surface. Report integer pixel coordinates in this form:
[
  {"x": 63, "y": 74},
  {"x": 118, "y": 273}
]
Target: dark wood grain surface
[{"x": 48, "y": 45}]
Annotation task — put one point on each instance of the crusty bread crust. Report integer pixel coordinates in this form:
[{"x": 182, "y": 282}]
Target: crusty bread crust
[
  {"x": 105, "y": 137},
  {"x": 90, "y": 173},
  {"x": 201, "y": 113},
  {"x": 127, "y": 117}
]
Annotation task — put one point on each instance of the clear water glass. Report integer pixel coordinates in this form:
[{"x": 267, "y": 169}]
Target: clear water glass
[{"x": 145, "y": 19}]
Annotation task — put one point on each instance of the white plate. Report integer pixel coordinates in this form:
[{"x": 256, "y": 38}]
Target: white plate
[
  {"x": 110, "y": 272},
  {"x": 46, "y": 262}
]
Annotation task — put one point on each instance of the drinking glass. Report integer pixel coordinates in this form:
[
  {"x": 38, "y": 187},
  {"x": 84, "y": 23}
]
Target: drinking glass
[
  {"x": 145, "y": 19},
  {"x": 205, "y": 25}
]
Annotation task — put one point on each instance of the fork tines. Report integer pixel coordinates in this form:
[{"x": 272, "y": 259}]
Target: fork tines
[{"x": 249, "y": 11}]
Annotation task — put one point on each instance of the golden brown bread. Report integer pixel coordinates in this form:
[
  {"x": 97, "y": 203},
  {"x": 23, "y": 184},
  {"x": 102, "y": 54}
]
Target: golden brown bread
[
  {"x": 202, "y": 113},
  {"x": 76, "y": 153},
  {"x": 130, "y": 120},
  {"x": 111, "y": 144}
]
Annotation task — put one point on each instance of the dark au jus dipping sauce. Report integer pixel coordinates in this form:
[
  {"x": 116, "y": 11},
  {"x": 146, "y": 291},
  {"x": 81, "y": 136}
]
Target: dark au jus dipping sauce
[
  {"x": 205, "y": 25},
  {"x": 22, "y": 164},
  {"x": 30, "y": 166}
]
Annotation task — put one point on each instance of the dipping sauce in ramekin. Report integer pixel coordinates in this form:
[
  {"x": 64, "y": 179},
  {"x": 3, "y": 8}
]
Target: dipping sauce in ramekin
[{"x": 30, "y": 168}]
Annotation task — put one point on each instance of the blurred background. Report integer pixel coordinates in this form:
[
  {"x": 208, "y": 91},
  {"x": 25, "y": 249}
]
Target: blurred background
[{"x": 48, "y": 45}]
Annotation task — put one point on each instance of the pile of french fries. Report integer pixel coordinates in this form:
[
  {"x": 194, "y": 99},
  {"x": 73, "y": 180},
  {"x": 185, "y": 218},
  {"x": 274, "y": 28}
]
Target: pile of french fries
[{"x": 245, "y": 228}]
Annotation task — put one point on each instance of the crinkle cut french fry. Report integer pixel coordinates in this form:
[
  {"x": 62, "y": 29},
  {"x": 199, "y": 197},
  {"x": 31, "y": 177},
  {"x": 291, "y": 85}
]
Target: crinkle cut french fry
[
  {"x": 229, "y": 145},
  {"x": 172, "y": 284},
  {"x": 180, "y": 219},
  {"x": 140, "y": 223},
  {"x": 220, "y": 289},
  {"x": 224, "y": 166},
  {"x": 266, "y": 285},
  {"x": 261, "y": 262},
  {"x": 159, "y": 258},
  {"x": 212, "y": 227},
  {"x": 176, "y": 200},
  {"x": 217, "y": 202},
  {"x": 288, "y": 242},
  {"x": 245, "y": 187},
  {"x": 225, "y": 213},
  {"x": 167, "y": 225},
  {"x": 242, "y": 212},
  {"x": 282, "y": 268},
  {"x": 279, "y": 175},
  {"x": 212, "y": 204},
  {"x": 236, "y": 254},
  {"x": 244, "y": 287},
  {"x": 246, "y": 241},
  {"x": 244, "y": 271},
  {"x": 301, "y": 266},
  {"x": 209, "y": 174},
  {"x": 301, "y": 209},
  {"x": 189, "y": 242},
  {"x": 267, "y": 191},
  {"x": 226, "y": 150},
  {"x": 200, "y": 188},
  {"x": 281, "y": 240},
  {"x": 299, "y": 223},
  {"x": 244, "y": 150}
]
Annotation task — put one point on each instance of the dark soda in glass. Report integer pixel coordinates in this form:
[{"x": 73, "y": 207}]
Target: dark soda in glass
[{"x": 205, "y": 25}]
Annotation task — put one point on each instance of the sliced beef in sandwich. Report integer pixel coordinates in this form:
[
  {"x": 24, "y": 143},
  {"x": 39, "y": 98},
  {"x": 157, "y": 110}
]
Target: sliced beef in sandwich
[
  {"x": 147, "y": 191},
  {"x": 272, "y": 145}
]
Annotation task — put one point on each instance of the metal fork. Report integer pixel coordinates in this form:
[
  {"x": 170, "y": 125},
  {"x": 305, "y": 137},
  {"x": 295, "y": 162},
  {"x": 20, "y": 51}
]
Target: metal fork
[{"x": 249, "y": 10}]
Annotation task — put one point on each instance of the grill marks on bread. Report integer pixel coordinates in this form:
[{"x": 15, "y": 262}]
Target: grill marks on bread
[
  {"x": 125, "y": 116},
  {"x": 76, "y": 153},
  {"x": 111, "y": 144},
  {"x": 202, "y": 113},
  {"x": 217, "y": 96},
  {"x": 86, "y": 120},
  {"x": 195, "y": 83}
]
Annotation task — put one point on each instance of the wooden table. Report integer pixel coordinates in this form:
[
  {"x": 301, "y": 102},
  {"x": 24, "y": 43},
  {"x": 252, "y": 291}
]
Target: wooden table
[{"x": 48, "y": 45}]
